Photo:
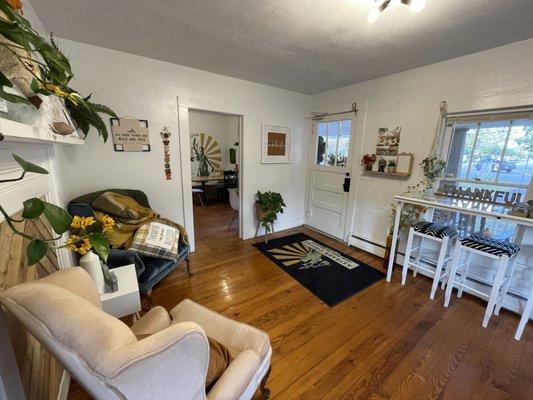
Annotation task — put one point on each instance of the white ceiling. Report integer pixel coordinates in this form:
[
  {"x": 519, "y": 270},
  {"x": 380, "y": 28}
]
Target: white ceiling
[{"x": 308, "y": 46}]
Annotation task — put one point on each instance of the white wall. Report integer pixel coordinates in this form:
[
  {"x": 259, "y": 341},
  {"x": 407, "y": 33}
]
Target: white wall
[
  {"x": 495, "y": 78},
  {"x": 222, "y": 127},
  {"x": 147, "y": 89}
]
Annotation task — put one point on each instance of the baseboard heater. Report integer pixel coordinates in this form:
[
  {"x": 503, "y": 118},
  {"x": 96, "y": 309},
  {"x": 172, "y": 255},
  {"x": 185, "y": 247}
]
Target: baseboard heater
[{"x": 368, "y": 241}]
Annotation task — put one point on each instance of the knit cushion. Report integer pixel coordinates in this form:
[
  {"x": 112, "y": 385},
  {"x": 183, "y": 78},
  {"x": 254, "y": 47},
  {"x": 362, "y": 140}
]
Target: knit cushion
[
  {"x": 490, "y": 246},
  {"x": 433, "y": 229}
]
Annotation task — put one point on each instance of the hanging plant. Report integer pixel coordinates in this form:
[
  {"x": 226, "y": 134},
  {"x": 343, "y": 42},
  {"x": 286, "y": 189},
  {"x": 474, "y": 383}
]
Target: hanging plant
[{"x": 36, "y": 66}]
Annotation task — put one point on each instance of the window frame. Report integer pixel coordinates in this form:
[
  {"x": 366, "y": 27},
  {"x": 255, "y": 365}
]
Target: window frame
[{"x": 446, "y": 135}]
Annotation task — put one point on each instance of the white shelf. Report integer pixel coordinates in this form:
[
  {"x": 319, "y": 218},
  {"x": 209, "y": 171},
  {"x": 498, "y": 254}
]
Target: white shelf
[{"x": 17, "y": 132}]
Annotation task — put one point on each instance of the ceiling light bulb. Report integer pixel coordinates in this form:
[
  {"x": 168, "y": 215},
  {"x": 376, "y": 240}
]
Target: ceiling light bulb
[
  {"x": 373, "y": 15},
  {"x": 417, "y": 5}
]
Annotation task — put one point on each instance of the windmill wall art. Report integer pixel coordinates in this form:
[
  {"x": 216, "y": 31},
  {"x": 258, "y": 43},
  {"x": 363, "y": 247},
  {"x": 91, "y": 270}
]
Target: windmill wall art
[{"x": 205, "y": 154}]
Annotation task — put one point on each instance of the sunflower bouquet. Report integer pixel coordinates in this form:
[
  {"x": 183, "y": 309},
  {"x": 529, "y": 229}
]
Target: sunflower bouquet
[{"x": 87, "y": 233}]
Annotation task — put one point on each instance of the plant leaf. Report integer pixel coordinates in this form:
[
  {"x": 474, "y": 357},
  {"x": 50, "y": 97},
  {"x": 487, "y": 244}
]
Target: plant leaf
[
  {"x": 58, "y": 218},
  {"x": 28, "y": 166},
  {"x": 100, "y": 108},
  {"x": 4, "y": 80},
  {"x": 13, "y": 98},
  {"x": 100, "y": 245},
  {"x": 32, "y": 208},
  {"x": 35, "y": 251}
]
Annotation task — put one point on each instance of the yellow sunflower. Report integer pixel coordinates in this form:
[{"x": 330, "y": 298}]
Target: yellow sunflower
[
  {"x": 81, "y": 222},
  {"x": 79, "y": 245},
  {"x": 107, "y": 222}
]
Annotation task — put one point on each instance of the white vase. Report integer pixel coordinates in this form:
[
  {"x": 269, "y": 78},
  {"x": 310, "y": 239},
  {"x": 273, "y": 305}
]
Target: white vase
[{"x": 90, "y": 262}]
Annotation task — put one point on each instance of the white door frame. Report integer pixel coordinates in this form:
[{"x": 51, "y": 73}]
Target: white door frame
[
  {"x": 185, "y": 164},
  {"x": 349, "y": 168}
]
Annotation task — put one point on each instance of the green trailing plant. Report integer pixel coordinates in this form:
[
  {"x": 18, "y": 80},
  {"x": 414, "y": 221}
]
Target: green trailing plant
[
  {"x": 88, "y": 232},
  {"x": 270, "y": 204},
  {"x": 433, "y": 167},
  {"x": 50, "y": 69}
]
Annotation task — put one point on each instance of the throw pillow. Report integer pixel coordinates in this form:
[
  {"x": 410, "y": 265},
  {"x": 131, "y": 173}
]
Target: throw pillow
[
  {"x": 219, "y": 360},
  {"x": 155, "y": 239}
]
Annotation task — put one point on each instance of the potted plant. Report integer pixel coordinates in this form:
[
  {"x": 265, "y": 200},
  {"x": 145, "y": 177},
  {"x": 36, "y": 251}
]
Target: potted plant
[
  {"x": 368, "y": 161},
  {"x": 36, "y": 66},
  {"x": 433, "y": 168},
  {"x": 391, "y": 166},
  {"x": 267, "y": 207}
]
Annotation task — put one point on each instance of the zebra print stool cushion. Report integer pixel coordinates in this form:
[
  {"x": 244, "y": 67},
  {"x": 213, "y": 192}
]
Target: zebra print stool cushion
[
  {"x": 435, "y": 230},
  {"x": 490, "y": 246}
]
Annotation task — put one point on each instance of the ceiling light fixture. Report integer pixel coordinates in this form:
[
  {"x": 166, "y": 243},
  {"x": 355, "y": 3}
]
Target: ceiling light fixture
[{"x": 381, "y": 5}]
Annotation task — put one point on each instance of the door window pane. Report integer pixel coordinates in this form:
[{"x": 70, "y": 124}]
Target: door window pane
[
  {"x": 321, "y": 144},
  {"x": 333, "y": 143},
  {"x": 344, "y": 143}
]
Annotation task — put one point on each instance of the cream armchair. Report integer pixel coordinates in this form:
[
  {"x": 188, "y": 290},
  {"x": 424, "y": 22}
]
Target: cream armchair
[{"x": 103, "y": 354}]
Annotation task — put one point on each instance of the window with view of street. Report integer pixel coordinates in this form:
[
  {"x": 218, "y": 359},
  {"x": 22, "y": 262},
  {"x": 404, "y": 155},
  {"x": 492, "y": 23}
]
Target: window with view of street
[
  {"x": 492, "y": 153},
  {"x": 489, "y": 153}
]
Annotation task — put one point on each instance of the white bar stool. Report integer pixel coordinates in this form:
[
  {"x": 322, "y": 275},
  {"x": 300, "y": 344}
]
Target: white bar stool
[
  {"x": 441, "y": 234},
  {"x": 504, "y": 253},
  {"x": 525, "y": 316}
]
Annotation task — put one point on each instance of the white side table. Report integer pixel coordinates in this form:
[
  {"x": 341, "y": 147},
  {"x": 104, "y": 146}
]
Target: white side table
[{"x": 126, "y": 300}]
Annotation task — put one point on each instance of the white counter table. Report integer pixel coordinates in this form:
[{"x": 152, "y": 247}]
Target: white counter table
[{"x": 463, "y": 206}]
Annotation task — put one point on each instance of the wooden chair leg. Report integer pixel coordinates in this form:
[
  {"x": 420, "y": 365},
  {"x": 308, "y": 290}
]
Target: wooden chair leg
[
  {"x": 148, "y": 295},
  {"x": 265, "y": 392},
  {"x": 188, "y": 267},
  {"x": 235, "y": 213},
  {"x": 525, "y": 316},
  {"x": 505, "y": 287},
  {"x": 407, "y": 256},
  {"x": 200, "y": 197},
  {"x": 440, "y": 265},
  {"x": 496, "y": 286},
  {"x": 453, "y": 271}
]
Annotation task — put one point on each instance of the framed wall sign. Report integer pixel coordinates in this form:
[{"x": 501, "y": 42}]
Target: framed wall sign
[
  {"x": 130, "y": 134},
  {"x": 275, "y": 144},
  {"x": 404, "y": 163},
  {"x": 388, "y": 141}
]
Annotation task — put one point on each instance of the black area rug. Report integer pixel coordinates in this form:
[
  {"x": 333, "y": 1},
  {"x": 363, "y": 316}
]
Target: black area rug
[{"x": 329, "y": 274}]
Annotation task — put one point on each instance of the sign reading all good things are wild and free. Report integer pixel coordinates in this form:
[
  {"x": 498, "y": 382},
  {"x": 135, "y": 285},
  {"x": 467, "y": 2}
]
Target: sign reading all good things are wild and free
[{"x": 130, "y": 134}]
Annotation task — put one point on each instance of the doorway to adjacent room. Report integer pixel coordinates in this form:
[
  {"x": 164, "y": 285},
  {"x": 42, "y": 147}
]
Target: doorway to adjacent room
[{"x": 215, "y": 176}]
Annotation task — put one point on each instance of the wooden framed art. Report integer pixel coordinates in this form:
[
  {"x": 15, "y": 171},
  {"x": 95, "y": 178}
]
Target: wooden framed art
[
  {"x": 130, "y": 134},
  {"x": 275, "y": 144},
  {"x": 404, "y": 163}
]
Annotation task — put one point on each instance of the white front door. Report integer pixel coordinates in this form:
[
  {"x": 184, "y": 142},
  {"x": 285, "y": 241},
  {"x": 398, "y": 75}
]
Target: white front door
[{"x": 330, "y": 167}]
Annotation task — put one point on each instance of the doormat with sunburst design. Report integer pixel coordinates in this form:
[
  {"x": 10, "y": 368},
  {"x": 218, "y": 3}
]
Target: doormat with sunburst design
[{"x": 329, "y": 274}]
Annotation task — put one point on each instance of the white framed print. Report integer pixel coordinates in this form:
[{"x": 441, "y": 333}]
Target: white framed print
[{"x": 275, "y": 144}]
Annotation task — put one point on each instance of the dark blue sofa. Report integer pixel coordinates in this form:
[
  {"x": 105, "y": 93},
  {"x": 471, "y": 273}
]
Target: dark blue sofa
[{"x": 150, "y": 270}]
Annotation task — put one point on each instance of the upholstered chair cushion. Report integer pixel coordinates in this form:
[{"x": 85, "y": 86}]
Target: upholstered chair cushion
[
  {"x": 234, "y": 335},
  {"x": 152, "y": 322}
]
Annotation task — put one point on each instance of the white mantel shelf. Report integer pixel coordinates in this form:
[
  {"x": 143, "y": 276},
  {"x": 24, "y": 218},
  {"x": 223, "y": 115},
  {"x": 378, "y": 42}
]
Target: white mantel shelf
[{"x": 18, "y": 132}]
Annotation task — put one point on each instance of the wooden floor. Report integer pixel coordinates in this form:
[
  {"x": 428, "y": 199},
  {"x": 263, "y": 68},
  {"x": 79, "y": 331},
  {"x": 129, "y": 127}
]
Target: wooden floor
[{"x": 387, "y": 342}]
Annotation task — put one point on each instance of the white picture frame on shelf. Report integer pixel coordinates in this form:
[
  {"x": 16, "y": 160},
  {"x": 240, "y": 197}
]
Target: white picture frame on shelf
[
  {"x": 404, "y": 163},
  {"x": 275, "y": 144}
]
